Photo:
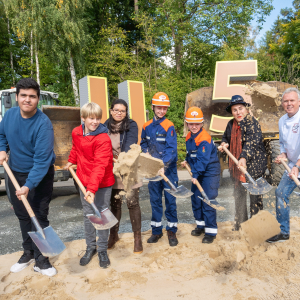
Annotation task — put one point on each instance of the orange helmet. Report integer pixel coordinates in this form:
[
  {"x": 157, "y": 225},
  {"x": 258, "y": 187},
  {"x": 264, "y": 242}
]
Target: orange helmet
[
  {"x": 194, "y": 115},
  {"x": 161, "y": 99}
]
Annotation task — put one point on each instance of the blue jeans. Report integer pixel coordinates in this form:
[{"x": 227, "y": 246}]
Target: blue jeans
[{"x": 283, "y": 191}]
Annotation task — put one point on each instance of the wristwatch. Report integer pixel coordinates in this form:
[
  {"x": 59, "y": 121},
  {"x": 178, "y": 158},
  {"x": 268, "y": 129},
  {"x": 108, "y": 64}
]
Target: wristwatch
[{"x": 297, "y": 167}]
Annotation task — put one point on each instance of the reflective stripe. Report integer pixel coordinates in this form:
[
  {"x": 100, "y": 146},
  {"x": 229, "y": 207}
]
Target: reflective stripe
[
  {"x": 211, "y": 230},
  {"x": 148, "y": 137},
  {"x": 201, "y": 223},
  {"x": 161, "y": 139},
  {"x": 193, "y": 155},
  {"x": 172, "y": 224},
  {"x": 156, "y": 224}
]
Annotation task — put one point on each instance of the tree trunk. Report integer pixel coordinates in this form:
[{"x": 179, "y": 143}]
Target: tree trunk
[
  {"x": 11, "y": 55},
  {"x": 37, "y": 64},
  {"x": 31, "y": 55},
  {"x": 177, "y": 49},
  {"x": 74, "y": 81},
  {"x": 136, "y": 7}
]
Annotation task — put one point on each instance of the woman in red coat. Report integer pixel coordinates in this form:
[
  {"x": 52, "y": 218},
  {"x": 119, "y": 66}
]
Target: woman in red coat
[{"x": 92, "y": 153}]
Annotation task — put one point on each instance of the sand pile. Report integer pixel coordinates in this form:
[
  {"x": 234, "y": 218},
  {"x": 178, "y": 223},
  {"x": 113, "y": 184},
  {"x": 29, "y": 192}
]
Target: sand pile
[
  {"x": 227, "y": 269},
  {"x": 266, "y": 105}
]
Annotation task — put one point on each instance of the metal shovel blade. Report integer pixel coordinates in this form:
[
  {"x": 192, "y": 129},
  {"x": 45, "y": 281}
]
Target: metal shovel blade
[
  {"x": 51, "y": 245},
  {"x": 155, "y": 178},
  {"x": 212, "y": 203},
  {"x": 107, "y": 220},
  {"x": 180, "y": 192},
  {"x": 261, "y": 187},
  {"x": 297, "y": 193}
]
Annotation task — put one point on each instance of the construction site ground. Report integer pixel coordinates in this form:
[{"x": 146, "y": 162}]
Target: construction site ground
[{"x": 66, "y": 213}]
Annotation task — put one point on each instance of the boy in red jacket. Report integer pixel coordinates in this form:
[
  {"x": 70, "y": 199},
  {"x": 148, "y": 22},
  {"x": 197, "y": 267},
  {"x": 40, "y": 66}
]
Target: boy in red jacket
[{"x": 92, "y": 153}]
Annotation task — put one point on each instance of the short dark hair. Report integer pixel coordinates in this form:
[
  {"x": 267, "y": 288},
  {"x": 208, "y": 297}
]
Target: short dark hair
[
  {"x": 28, "y": 83},
  {"x": 125, "y": 123}
]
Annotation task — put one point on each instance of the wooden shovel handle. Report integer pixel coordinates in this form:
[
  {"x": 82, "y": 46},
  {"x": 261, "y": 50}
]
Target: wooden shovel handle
[
  {"x": 17, "y": 187},
  {"x": 164, "y": 176},
  {"x": 197, "y": 182},
  {"x": 71, "y": 169},
  {"x": 243, "y": 170},
  {"x": 289, "y": 170},
  {"x": 115, "y": 160}
]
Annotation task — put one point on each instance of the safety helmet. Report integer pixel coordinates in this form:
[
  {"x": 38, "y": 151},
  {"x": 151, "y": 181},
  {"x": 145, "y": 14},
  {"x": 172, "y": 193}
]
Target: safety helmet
[
  {"x": 194, "y": 115},
  {"x": 161, "y": 99}
]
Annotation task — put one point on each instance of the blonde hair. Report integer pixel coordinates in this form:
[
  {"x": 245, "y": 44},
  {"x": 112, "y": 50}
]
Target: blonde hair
[{"x": 91, "y": 109}]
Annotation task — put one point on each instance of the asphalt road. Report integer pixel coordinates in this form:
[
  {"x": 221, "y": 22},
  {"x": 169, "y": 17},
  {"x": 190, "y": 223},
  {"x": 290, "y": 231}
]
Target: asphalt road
[{"x": 66, "y": 213}]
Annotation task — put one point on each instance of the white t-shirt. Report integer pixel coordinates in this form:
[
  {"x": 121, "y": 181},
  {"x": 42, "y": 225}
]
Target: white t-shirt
[{"x": 289, "y": 137}]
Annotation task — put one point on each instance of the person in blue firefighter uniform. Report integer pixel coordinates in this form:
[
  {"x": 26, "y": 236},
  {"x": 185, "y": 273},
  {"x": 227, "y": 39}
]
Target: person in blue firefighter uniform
[
  {"x": 203, "y": 159},
  {"x": 160, "y": 141}
]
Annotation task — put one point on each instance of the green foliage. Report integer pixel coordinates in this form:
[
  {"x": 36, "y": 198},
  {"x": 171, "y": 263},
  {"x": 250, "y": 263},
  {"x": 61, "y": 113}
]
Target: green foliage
[{"x": 181, "y": 149}]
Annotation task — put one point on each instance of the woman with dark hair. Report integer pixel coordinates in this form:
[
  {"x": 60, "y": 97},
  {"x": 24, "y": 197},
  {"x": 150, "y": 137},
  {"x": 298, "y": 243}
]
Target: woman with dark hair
[
  {"x": 123, "y": 132},
  {"x": 244, "y": 138}
]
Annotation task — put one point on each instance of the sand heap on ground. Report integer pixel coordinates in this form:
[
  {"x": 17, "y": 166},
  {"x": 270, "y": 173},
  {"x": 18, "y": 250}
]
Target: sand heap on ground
[{"x": 227, "y": 269}]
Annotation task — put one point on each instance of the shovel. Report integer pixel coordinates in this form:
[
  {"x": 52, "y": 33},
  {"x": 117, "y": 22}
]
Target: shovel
[
  {"x": 293, "y": 176},
  {"x": 45, "y": 239},
  {"x": 179, "y": 192},
  {"x": 213, "y": 203},
  {"x": 100, "y": 221},
  {"x": 258, "y": 187}
]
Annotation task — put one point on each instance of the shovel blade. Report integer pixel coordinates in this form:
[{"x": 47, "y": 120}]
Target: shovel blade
[
  {"x": 297, "y": 193},
  {"x": 181, "y": 192},
  {"x": 261, "y": 187},
  {"x": 107, "y": 220},
  {"x": 51, "y": 245},
  {"x": 155, "y": 178}
]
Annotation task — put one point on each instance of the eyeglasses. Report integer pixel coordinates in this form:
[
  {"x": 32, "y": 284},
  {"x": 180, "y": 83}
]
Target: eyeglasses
[{"x": 116, "y": 111}]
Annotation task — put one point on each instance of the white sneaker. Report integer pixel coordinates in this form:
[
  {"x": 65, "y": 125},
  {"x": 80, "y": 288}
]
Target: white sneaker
[
  {"x": 25, "y": 260},
  {"x": 49, "y": 272},
  {"x": 43, "y": 266}
]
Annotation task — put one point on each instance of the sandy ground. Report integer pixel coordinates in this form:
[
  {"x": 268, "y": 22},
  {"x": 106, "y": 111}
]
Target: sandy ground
[{"x": 226, "y": 269}]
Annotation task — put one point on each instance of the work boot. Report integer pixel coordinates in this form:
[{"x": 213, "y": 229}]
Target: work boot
[
  {"x": 104, "y": 261},
  {"x": 25, "y": 260},
  {"x": 113, "y": 238},
  {"x": 117, "y": 212},
  {"x": 43, "y": 266},
  {"x": 281, "y": 237},
  {"x": 87, "y": 257},
  {"x": 208, "y": 239},
  {"x": 138, "y": 246},
  {"x": 197, "y": 231},
  {"x": 154, "y": 238},
  {"x": 173, "y": 241}
]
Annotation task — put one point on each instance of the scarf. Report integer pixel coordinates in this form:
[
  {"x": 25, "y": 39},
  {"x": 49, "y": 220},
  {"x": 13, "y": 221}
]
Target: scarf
[
  {"x": 236, "y": 150},
  {"x": 115, "y": 126}
]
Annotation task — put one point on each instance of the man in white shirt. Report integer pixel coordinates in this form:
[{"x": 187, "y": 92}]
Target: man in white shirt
[{"x": 289, "y": 139}]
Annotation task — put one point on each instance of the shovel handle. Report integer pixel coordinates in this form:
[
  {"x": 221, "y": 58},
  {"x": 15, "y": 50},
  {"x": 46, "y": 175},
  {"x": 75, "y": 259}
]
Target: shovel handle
[
  {"x": 289, "y": 170},
  {"x": 115, "y": 160},
  {"x": 17, "y": 187},
  {"x": 71, "y": 169},
  {"x": 197, "y": 182},
  {"x": 166, "y": 179},
  {"x": 243, "y": 170}
]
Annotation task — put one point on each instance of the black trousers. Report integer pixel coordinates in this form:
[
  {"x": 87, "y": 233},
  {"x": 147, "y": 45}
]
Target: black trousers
[
  {"x": 240, "y": 197},
  {"x": 39, "y": 199}
]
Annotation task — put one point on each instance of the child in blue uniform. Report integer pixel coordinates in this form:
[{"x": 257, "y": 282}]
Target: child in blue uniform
[
  {"x": 203, "y": 159},
  {"x": 159, "y": 140}
]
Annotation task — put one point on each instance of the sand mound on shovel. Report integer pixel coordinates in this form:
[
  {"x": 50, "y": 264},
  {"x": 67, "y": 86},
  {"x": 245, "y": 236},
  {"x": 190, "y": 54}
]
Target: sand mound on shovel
[{"x": 227, "y": 269}]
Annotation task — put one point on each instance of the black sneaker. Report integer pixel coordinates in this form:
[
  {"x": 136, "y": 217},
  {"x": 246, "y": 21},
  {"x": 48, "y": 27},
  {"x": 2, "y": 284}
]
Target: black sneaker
[
  {"x": 281, "y": 237},
  {"x": 43, "y": 266},
  {"x": 173, "y": 241},
  {"x": 208, "y": 239},
  {"x": 103, "y": 259},
  {"x": 87, "y": 257},
  {"x": 25, "y": 260},
  {"x": 154, "y": 238},
  {"x": 197, "y": 231}
]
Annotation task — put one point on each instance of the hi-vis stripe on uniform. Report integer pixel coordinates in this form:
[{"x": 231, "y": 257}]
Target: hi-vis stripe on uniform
[{"x": 156, "y": 224}]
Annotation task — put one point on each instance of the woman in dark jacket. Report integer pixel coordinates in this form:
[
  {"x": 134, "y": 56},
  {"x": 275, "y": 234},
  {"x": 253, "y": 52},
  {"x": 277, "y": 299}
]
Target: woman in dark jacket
[
  {"x": 244, "y": 138},
  {"x": 123, "y": 132}
]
